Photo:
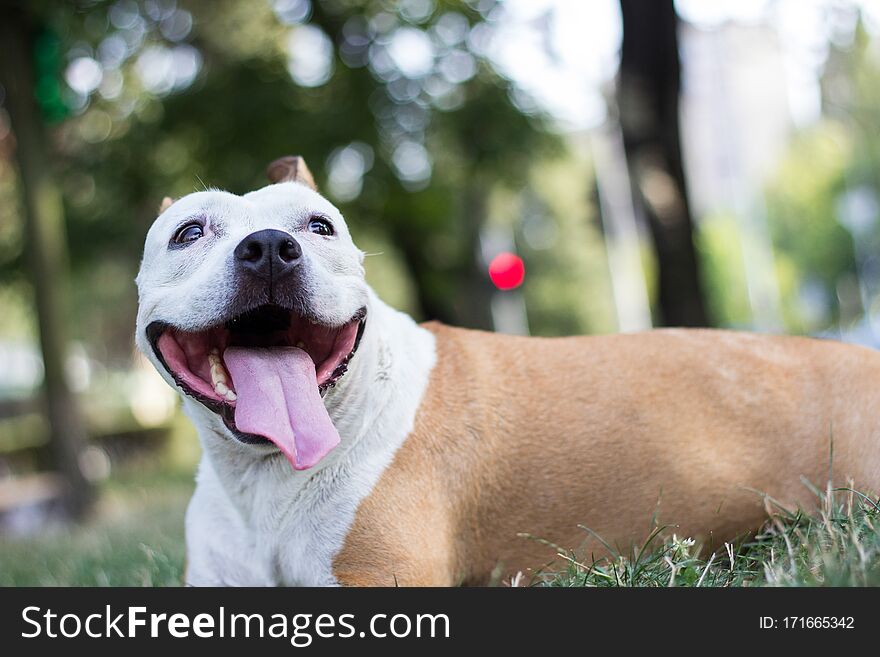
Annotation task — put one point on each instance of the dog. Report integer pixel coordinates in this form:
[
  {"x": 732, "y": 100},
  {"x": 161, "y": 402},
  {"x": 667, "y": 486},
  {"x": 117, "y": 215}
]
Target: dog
[{"x": 345, "y": 444}]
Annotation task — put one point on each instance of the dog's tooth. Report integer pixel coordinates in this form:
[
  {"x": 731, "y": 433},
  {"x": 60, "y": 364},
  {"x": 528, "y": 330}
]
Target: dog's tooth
[
  {"x": 216, "y": 363},
  {"x": 218, "y": 375},
  {"x": 300, "y": 345},
  {"x": 218, "y": 370}
]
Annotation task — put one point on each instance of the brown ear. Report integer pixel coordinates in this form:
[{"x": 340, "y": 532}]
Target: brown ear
[
  {"x": 166, "y": 203},
  {"x": 291, "y": 168}
]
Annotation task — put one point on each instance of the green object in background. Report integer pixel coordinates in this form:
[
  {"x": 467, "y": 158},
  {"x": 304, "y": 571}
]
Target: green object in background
[{"x": 47, "y": 77}]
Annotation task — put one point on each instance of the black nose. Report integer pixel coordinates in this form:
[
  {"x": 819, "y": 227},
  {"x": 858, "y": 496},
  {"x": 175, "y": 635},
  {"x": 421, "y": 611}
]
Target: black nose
[{"x": 268, "y": 253}]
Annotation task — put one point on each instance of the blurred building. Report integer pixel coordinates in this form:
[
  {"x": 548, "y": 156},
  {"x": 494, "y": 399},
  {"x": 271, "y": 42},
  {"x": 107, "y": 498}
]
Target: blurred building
[{"x": 736, "y": 109}]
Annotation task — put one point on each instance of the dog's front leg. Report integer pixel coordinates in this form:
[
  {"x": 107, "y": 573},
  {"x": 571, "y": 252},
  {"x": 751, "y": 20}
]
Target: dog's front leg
[{"x": 398, "y": 551}]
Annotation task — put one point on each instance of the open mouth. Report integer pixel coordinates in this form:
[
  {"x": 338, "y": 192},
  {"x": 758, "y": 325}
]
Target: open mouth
[{"x": 264, "y": 372}]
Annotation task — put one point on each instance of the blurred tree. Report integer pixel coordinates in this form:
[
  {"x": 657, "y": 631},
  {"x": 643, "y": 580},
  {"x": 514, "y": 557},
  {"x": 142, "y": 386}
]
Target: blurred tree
[
  {"x": 395, "y": 106},
  {"x": 824, "y": 202},
  {"x": 647, "y": 98},
  {"x": 46, "y": 248}
]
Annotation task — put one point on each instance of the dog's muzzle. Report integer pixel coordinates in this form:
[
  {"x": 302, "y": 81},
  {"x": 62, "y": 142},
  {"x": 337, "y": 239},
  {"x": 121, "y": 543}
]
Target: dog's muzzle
[{"x": 264, "y": 372}]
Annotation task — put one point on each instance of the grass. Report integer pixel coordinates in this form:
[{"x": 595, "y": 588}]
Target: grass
[
  {"x": 837, "y": 545},
  {"x": 134, "y": 537}
]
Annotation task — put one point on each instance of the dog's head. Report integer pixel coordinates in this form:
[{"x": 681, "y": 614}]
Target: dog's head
[{"x": 253, "y": 306}]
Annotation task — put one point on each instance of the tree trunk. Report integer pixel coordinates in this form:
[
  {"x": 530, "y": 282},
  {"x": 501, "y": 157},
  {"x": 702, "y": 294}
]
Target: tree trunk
[
  {"x": 473, "y": 303},
  {"x": 46, "y": 253},
  {"x": 647, "y": 96}
]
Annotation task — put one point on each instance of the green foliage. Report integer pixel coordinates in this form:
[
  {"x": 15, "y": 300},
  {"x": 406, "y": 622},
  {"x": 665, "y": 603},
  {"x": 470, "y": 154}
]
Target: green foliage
[
  {"x": 567, "y": 289},
  {"x": 131, "y": 144},
  {"x": 802, "y": 212},
  {"x": 724, "y": 279},
  {"x": 824, "y": 162}
]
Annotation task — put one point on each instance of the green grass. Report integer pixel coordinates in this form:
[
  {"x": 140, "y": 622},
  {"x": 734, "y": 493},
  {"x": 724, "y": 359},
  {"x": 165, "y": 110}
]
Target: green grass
[
  {"x": 134, "y": 536},
  {"x": 837, "y": 545}
]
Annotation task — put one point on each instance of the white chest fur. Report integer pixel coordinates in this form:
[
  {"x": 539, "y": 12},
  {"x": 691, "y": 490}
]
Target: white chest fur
[{"x": 255, "y": 521}]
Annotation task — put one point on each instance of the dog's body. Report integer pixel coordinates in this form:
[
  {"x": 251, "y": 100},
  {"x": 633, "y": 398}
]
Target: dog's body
[{"x": 453, "y": 444}]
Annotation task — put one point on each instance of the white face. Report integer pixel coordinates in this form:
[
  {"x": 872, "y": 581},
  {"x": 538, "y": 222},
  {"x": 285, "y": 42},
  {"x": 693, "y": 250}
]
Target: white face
[
  {"x": 260, "y": 273},
  {"x": 193, "y": 286}
]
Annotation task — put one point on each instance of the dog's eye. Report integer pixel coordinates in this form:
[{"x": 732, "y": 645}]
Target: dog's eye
[
  {"x": 189, "y": 233},
  {"x": 321, "y": 226}
]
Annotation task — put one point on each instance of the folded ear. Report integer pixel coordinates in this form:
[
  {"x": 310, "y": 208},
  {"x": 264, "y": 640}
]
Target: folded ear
[
  {"x": 291, "y": 168},
  {"x": 166, "y": 203}
]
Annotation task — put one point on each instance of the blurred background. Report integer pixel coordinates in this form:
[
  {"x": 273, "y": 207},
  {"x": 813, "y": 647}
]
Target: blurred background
[{"x": 544, "y": 167}]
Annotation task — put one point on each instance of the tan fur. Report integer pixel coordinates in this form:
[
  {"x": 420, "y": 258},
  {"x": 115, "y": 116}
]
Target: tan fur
[
  {"x": 291, "y": 168},
  {"x": 539, "y": 435}
]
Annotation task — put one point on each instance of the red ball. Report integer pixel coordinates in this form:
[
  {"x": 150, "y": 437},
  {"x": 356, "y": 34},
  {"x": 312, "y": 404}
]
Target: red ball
[{"x": 507, "y": 271}]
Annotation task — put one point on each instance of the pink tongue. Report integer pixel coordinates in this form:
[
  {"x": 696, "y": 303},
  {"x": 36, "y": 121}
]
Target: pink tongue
[{"x": 278, "y": 399}]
